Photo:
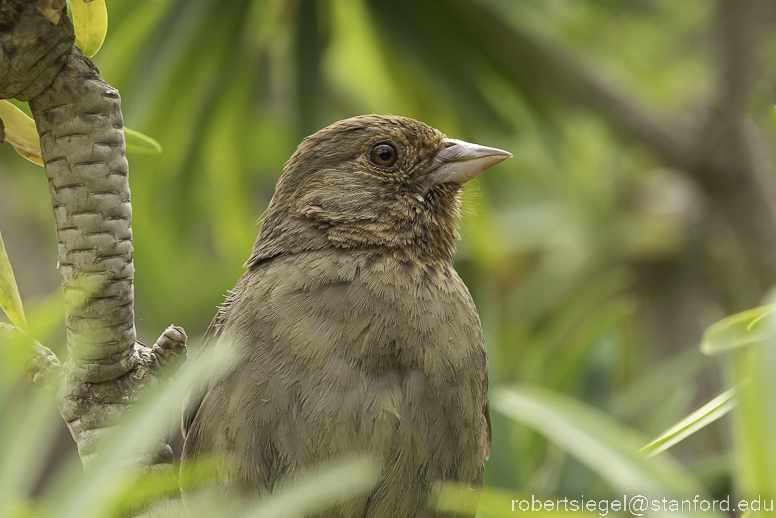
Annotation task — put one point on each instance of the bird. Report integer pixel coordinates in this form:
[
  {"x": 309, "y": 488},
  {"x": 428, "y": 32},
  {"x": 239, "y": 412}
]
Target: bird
[{"x": 353, "y": 332}]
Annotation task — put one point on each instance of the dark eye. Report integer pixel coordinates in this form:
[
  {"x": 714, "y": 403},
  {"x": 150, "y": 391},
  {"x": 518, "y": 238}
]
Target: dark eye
[{"x": 384, "y": 155}]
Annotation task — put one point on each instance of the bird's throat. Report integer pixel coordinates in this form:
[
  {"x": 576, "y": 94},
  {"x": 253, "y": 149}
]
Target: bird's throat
[{"x": 420, "y": 231}]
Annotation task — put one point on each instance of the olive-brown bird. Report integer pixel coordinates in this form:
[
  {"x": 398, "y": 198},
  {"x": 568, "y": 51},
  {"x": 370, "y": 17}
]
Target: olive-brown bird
[{"x": 354, "y": 332}]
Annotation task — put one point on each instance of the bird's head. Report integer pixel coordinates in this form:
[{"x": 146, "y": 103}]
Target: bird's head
[{"x": 386, "y": 183}]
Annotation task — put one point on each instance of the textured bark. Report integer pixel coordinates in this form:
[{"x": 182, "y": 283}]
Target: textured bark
[
  {"x": 31, "y": 48},
  {"x": 79, "y": 121}
]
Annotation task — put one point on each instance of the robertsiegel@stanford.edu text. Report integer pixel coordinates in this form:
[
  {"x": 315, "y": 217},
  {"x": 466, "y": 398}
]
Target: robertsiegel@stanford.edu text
[{"x": 639, "y": 504}]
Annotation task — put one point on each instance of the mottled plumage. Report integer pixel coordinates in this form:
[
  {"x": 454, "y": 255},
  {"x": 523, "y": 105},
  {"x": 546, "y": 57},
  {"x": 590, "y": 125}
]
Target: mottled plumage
[{"x": 354, "y": 331}]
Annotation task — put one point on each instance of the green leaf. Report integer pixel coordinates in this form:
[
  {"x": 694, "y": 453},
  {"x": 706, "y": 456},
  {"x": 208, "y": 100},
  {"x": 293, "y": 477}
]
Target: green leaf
[
  {"x": 708, "y": 413},
  {"x": 20, "y": 132},
  {"x": 739, "y": 330},
  {"x": 28, "y": 431},
  {"x": 10, "y": 300},
  {"x": 90, "y": 20},
  {"x": 754, "y": 421},
  {"x": 103, "y": 489},
  {"x": 136, "y": 142},
  {"x": 596, "y": 441}
]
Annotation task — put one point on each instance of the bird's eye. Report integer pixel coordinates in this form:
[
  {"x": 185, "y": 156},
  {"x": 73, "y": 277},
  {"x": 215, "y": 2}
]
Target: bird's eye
[{"x": 384, "y": 155}]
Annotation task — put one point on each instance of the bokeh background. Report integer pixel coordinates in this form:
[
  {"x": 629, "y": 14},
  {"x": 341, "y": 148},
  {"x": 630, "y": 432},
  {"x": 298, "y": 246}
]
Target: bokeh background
[{"x": 637, "y": 210}]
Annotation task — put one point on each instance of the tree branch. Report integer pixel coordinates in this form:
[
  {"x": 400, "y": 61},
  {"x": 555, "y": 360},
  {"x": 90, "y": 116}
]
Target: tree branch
[{"x": 79, "y": 121}]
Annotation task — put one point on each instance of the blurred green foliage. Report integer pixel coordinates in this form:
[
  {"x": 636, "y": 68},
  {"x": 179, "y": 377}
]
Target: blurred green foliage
[{"x": 564, "y": 247}]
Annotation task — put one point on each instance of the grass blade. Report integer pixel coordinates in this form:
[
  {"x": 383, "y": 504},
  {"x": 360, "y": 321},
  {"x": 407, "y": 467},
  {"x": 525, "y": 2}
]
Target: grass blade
[
  {"x": 10, "y": 300},
  {"x": 596, "y": 441},
  {"x": 705, "y": 415},
  {"x": 136, "y": 142},
  {"x": 742, "y": 329}
]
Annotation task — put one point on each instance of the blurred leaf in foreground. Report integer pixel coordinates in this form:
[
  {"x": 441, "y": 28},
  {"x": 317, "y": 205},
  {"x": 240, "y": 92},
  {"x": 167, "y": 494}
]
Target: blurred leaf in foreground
[
  {"x": 596, "y": 441},
  {"x": 75, "y": 493},
  {"x": 10, "y": 300},
  {"x": 108, "y": 490},
  {"x": 455, "y": 497},
  {"x": 739, "y": 330},
  {"x": 705, "y": 415},
  {"x": 754, "y": 421},
  {"x": 334, "y": 482},
  {"x": 327, "y": 485}
]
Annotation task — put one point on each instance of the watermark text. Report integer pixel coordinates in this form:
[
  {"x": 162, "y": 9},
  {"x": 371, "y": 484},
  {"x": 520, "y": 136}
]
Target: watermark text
[{"x": 638, "y": 505}]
